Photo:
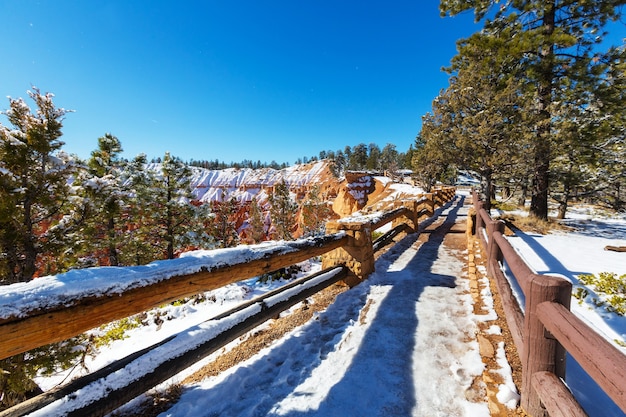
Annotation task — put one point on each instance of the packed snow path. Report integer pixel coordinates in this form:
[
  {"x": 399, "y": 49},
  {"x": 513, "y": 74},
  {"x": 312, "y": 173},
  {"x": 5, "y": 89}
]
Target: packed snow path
[{"x": 402, "y": 343}]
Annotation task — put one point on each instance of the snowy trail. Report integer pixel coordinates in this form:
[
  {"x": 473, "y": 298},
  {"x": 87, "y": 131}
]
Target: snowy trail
[{"x": 400, "y": 344}]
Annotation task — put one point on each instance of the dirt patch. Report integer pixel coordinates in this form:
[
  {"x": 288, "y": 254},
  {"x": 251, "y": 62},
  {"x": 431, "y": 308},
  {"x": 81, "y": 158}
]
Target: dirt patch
[
  {"x": 251, "y": 344},
  {"x": 489, "y": 342},
  {"x": 467, "y": 249},
  {"x": 260, "y": 339}
]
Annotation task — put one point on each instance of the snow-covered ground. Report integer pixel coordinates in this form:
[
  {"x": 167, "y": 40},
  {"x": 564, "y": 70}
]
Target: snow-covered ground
[
  {"x": 569, "y": 255},
  {"x": 352, "y": 360},
  {"x": 410, "y": 352}
]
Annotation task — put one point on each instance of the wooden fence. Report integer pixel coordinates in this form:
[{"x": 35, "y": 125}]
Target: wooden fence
[
  {"x": 545, "y": 329},
  {"x": 347, "y": 252}
]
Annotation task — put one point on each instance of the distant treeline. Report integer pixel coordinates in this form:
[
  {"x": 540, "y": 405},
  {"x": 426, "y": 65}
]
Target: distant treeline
[
  {"x": 364, "y": 157},
  {"x": 360, "y": 157},
  {"x": 246, "y": 163}
]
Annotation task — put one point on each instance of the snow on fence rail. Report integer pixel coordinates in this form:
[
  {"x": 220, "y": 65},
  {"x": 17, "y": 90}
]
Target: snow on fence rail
[
  {"x": 544, "y": 329},
  {"x": 52, "y": 309}
]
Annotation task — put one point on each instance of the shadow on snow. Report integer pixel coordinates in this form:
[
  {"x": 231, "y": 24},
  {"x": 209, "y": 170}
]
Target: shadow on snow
[{"x": 255, "y": 389}]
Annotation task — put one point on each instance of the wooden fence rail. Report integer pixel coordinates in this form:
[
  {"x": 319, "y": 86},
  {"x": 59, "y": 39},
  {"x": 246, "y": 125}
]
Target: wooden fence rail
[
  {"x": 347, "y": 249},
  {"x": 544, "y": 329}
]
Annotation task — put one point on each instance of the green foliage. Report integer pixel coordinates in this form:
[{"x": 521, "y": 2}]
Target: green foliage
[
  {"x": 283, "y": 211},
  {"x": 610, "y": 288},
  {"x": 287, "y": 273},
  {"x": 34, "y": 189},
  {"x": 504, "y": 206},
  {"x": 363, "y": 157},
  {"x": 223, "y": 227},
  {"x": 539, "y": 66},
  {"x": 376, "y": 234},
  {"x": 115, "y": 331},
  {"x": 256, "y": 222},
  {"x": 314, "y": 213},
  {"x": 17, "y": 372},
  {"x": 431, "y": 157}
]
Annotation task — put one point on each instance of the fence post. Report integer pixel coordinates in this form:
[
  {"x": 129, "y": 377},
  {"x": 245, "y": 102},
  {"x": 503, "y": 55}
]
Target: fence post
[
  {"x": 427, "y": 203},
  {"x": 479, "y": 219},
  {"x": 411, "y": 218},
  {"x": 357, "y": 255},
  {"x": 493, "y": 250},
  {"x": 438, "y": 198},
  {"x": 541, "y": 351}
]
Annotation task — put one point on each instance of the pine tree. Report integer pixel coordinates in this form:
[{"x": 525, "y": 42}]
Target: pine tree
[
  {"x": 256, "y": 222},
  {"x": 283, "y": 212},
  {"x": 107, "y": 196},
  {"x": 374, "y": 158},
  {"x": 389, "y": 158},
  {"x": 34, "y": 188},
  {"x": 314, "y": 213},
  {"x": 485, "y": 128},
  {"x": 139, "y": 242},
  {"x": 430, "y": 161},
  {"x": 358, "y": 157},
  {"x": 611, "y": 132},
  {"x": 554, "y": 42},
  {"x": 223, "y": 218},
  {"x": 174, "y": 215}
]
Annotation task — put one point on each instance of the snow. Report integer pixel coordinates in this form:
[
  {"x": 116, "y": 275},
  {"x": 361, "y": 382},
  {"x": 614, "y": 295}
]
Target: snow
[
  {"x": 571, "y": 254},
  {"x": 568, "y": 255},
  {"x": 58, "y": 290},
  {"x": 401, "y": 343},
  {"x": 244, "y": 184},
  {"x": 353, "y": 360},
  {"x": 507, "y": 392}
]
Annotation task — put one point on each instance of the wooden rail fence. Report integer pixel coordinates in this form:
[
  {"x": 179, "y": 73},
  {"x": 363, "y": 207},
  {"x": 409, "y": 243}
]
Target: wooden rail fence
[
  {"x": 545, "y": 329},
  {"x": 347, "y": 252}
]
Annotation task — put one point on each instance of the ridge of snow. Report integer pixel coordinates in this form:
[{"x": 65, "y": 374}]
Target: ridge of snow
[{"x": 52, "y": 291}]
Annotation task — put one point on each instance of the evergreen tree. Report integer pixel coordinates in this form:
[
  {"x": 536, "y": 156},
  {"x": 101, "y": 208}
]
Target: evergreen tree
[
  {"x": 389, "y": 158},
  {"x": 256, "y": 222},
  {"x": 34, "y": 186},
  {"x": 173, "y": 215},
  {"x": 483, "y": 100},
  {"x": 314, "y": 213},
  {"x": 358, "y": 157},
  {"x": 140, "y": 245},
  {"x": 407, "y": 158},
  {"x": 430, "y": 161},
  {"x": 106, "y": 196},
  {"x": 611, "y": 132},
  {"x": 283, "y": 212},
  {"x": 347, "y": 153},
  {"x": 223, "y": 219},
  {"x": 555, "y": 42},
  {"x": 373, "y": 159},
  {"x": 339, "y": 165}
]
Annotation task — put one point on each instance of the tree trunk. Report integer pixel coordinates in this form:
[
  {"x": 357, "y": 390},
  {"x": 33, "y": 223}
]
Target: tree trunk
[
  {"x": 542, "y": 148},
  {"x": 487, "y": 185},
  {"x": 523, "y": 193},
  {"x": 29, "y": 266},
  {"x": 113, "y": 260},
  {"x": 562, "y": 209}
]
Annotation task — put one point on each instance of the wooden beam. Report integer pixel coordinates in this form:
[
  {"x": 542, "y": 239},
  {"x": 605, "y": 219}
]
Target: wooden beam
[
  {"x": 556, "y": 398},
  {"x": 599, "y": 358},
  {"x": 18, "y": 335},
  {"x": 271, "y": 304}
]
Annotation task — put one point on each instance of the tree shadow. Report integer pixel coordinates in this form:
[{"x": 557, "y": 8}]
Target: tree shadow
[
  {"x": 553, "y": 266},
  {"x": 383, "y": 371},
  {"x": 257, "y": 389},
  {"x": 585, "y": 389}
]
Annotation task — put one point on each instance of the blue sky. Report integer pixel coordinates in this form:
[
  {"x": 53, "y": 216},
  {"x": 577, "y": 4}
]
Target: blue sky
[{"x": 231, "y": 80}]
